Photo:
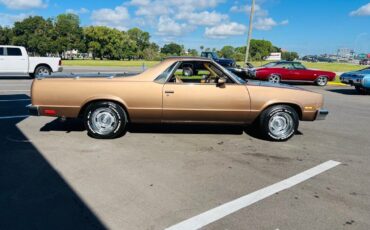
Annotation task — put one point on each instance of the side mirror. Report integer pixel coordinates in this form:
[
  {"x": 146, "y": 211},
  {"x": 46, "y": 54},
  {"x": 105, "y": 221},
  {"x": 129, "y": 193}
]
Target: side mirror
[{"x": 221, "y": 82}]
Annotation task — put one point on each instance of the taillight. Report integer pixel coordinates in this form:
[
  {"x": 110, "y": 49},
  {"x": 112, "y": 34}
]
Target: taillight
[
  {"x": 50, "y": 112},
  {"x": 60, "y": 62}
]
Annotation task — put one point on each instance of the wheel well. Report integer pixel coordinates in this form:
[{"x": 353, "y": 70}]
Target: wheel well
[
  {"x": 83, "y": 108},
  {"x": 42, "y": 64},
  {"x": 296, "y": 107}
]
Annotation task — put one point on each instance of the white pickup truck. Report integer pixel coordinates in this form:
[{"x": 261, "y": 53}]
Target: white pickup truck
[{"x": 14, "y": 61}]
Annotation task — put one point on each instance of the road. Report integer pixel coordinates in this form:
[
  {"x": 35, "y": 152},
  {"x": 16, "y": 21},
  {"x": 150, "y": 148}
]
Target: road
[{"x": 53, "y": 176}]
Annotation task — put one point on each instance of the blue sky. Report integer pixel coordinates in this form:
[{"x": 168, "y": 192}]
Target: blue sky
[{"x": 305, "y": 26}]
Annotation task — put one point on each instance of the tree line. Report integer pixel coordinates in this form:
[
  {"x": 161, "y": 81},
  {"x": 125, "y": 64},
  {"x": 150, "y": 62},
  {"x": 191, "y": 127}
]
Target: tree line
[{"x": 64, "y": 33}]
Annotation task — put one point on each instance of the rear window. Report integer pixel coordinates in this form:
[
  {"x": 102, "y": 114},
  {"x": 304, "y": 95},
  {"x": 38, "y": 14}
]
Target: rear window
[
  {"x": 14, "y": 52},
  {"x": 1, "y": 51}
]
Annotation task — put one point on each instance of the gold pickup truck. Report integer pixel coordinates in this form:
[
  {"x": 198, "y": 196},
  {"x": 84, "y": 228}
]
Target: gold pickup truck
[{"x": 177, "y": 90}]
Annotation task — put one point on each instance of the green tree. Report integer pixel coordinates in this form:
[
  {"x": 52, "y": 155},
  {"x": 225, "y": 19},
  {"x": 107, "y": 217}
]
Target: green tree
[
  {"x": 227, "y": 52},
  {"x": 193, "y": 52},
  {"x": 289, "y": 56},
  {"x": 172, "y": 49},
  {"x": 104, "y": 42},
  {"x": 141, "y": 38},
  {"x": 69, "y": 33},
  {"x": 263, "y": 47},
  {"x": 6, "y": 35},
  {"x": 36, "y": 34}
]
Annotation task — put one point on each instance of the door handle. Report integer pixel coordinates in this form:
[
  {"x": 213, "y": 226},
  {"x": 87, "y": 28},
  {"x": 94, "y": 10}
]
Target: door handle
[{"x": 169, "y": 91}]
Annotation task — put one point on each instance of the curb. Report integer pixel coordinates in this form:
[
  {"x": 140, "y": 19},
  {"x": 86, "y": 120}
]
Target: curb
[{"x": 336, "y": 84}]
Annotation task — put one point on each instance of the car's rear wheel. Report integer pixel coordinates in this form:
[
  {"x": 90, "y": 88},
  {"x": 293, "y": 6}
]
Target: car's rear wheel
[
  {"x": 279, "y": 123},
  {"x": 274, "y": 78},
  {"x": 105, "y": 120},
  {"x": 42, "y": 71},
  {"x": 322, "y": 81}
]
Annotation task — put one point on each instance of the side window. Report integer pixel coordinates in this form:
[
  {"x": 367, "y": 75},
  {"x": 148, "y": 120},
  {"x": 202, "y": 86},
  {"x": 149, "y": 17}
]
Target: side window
[
  {"x": 163, "y": 76},
  {"x": 285, "y": 66},
  {"x": 197, "y": 72},
  {"x": 14, "y": 52},
  {"x": 1, "y": 51},
  {"x": 298, "y": 66}
]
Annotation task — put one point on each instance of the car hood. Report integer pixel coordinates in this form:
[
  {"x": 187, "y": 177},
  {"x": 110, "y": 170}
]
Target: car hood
[{"x": 357, "y": 74}]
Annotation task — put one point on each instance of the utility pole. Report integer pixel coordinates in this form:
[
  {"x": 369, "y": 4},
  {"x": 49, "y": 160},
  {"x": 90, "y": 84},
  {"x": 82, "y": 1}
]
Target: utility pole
[{"x": 249, "y": 31}]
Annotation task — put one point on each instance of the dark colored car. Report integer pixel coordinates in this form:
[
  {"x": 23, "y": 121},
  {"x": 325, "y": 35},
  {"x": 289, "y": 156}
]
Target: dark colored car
[
  {"x": 229, "y": 64},
  {"x": 359, "y": 79},
  {"x": 365, "y": 62},
  {"x": 287, "y": 71}
]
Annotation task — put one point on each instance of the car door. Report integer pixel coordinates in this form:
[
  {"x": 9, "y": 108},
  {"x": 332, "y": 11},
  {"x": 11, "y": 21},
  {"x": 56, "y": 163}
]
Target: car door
[
  {"x": 17, "y": 63},
  {"x": 287, "y": 71},
  {"x": 301, "y": 73},
  {"x": 3, "y": 66},
  {"x": 205, "y": 102}
]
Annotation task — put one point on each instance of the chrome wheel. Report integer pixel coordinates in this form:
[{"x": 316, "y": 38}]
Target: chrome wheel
[
  {"x": 274, "y": 79},
  {"x": 322, "y": 81},
  {"x": 42, "y": 71},
  {"x": 281, "y": 125},
  {"x": 103, "y": 121}
]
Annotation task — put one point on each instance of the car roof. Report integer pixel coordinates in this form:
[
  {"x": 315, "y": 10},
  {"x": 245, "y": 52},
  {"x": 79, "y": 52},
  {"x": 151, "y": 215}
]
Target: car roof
[
  {"x": 286, "y": 62},
  {"x": 185, "y": 58}
]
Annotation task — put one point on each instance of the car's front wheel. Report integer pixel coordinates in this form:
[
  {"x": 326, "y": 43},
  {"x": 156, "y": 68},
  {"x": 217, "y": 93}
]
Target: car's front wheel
[
  {"x": 322, "y": 81},
  {"x": 105, "y": 120},
  {"x": 279, "y": 122}
]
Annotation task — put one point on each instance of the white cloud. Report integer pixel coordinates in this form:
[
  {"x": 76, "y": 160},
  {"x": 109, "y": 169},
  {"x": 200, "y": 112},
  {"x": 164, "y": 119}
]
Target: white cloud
[
  {"x": 225, "y": 30},
  {"x": 204, "y": 18},
  {"x": 115, "y": 18},
  {"x": 79, "y": 11},
  {"x": 258, "y": 11},
  {"x": 23, "y": 4},
  {"x": 362, "y": 11},
  {"x": 9, "y": 19},
  {"x": 268, "y": 23},
  {"x": 139, "y": 2},
  {"x": 169, "y": 27}
]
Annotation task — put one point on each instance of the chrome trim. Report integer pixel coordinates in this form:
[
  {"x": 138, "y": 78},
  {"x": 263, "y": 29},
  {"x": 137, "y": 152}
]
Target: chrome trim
[
  {"x": 321, "y": 114},
  {"x": 33, "y": 110}
]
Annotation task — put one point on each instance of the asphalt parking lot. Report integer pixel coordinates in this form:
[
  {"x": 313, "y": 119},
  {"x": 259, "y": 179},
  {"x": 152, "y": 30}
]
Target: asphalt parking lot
[{"x": 53, "y": 176}]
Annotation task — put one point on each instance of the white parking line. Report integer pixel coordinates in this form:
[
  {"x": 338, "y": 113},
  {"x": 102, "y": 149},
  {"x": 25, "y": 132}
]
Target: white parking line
[
  {"x": 15, "y": 100},
  {"x": 12, "y": 117},
  {"x": 221, "y": 211}
]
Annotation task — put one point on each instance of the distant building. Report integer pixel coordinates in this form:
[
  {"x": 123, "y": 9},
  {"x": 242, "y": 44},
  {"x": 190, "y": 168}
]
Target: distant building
[{"x": 345, "y": 53}]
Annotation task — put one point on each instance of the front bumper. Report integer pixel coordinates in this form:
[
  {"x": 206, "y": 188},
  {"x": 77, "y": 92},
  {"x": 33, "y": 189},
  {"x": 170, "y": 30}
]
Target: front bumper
[
  {"x": 321, "y": 114},
  {"x": 33, "y": 110}
]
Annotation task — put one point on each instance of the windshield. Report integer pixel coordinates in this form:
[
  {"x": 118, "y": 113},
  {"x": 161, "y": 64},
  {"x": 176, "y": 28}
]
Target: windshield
[{"x": 238, "y": 79}]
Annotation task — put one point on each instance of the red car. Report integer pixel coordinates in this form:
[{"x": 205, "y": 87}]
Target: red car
[{"x": 286, "y": 71}]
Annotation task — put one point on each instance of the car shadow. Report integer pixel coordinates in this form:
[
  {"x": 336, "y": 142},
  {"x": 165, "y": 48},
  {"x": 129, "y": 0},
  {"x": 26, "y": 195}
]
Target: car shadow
[
  {"x": 33, "y": 194},
  {"x": 345, "y": 91},
  {"x": 76, "y": 125}
]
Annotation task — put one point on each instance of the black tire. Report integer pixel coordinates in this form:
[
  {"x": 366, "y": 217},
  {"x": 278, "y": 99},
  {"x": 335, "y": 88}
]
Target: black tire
[
  {"x": 187, "y": 71},
  {"x": 274, "y": 78},
  {"x": 321, "y": 81},
  {"x": 42, "y": 70},
  {"x": 109, "y": 116},
  {"x": 279, "y": 114}
]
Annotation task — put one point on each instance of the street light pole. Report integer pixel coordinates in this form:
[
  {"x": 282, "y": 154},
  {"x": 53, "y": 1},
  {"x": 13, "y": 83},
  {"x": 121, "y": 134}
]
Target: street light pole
[{"x": 249, "y": 31}]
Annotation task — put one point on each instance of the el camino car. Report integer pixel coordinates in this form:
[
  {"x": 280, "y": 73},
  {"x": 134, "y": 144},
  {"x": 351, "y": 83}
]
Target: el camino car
[{"x": 164, "y": 94}]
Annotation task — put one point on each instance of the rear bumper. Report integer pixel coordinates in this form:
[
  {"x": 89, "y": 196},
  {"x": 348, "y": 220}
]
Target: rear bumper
[
  {"x": 33, "y": 110},
  {"x": 60, "y": 69},
  {"x": 321, "y": 114}
]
